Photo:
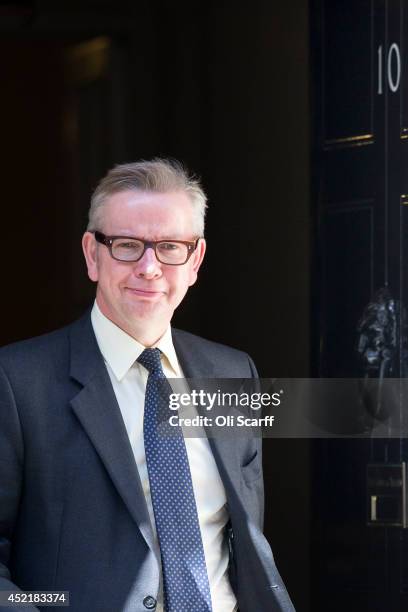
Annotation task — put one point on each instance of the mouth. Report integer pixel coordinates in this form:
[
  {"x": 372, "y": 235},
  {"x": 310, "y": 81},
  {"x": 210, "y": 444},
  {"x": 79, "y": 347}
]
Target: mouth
[{"x": 144, "y": 293}]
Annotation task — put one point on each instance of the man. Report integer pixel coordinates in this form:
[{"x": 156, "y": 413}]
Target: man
[{"x": 92, "y": 500}]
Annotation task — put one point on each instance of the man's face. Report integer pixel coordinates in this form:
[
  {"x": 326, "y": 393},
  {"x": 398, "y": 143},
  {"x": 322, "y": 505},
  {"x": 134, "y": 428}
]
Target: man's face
[{"x": 140, "y": 297}]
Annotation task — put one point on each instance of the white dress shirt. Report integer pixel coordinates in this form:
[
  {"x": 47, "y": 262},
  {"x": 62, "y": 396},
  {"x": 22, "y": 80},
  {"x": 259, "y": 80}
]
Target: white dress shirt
[{"x": 120, "y": 352}]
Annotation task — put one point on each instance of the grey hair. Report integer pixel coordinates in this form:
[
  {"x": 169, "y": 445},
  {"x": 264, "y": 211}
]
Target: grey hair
[{"x": 156, "y": 175}]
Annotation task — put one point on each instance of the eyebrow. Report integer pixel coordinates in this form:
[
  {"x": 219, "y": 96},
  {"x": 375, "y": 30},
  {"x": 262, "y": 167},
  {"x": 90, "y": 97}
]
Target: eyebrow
[{"x": 141, "y": 237}]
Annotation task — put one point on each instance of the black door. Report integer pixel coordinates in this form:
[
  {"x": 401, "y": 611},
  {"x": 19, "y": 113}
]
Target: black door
[{"x": 360, "y": 179}]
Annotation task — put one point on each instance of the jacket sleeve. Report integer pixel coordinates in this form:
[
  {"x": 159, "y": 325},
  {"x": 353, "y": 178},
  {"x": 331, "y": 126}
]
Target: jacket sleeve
[
  {"x": 11, "y": 474},
  {"x": 257, "y": 385}
]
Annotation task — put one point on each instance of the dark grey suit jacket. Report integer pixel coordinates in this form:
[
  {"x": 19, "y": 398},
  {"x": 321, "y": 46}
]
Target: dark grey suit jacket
[{"x": 72, "y": 511}]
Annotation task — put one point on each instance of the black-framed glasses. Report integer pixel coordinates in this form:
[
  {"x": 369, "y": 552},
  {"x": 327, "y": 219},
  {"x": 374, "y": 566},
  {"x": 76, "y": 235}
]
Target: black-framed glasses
[{"x": 129, "y": 248}]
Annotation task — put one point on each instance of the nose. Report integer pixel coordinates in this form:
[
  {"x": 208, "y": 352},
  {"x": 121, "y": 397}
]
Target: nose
[{"x": 148, "y": 266}]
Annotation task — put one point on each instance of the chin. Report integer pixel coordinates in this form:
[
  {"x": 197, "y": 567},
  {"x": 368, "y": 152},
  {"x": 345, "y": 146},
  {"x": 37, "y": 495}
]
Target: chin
[{"x": 145, "y": 312}]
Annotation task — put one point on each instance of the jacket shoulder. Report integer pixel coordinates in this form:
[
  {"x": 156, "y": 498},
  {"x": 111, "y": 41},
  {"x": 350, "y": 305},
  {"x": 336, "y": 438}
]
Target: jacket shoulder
[
  {"x": 37, "y": 353},
  {"x": 228, "y": 362},
  {"x": 208, "y": 345}
]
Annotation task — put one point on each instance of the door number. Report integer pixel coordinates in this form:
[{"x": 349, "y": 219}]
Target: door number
[{"x": 393, "y": 68}]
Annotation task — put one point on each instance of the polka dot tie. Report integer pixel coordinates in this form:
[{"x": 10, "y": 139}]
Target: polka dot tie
[{"x": 185, "y": 580}]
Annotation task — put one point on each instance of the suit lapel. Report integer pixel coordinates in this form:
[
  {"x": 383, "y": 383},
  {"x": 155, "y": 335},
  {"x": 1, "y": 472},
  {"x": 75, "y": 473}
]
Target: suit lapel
[
  {"x": 99, "y": 414},
  {"x": 196, "y": 363}
]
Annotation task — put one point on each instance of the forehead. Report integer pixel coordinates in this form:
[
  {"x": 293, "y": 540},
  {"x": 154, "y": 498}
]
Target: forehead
[{"x": 148, "y": 214}]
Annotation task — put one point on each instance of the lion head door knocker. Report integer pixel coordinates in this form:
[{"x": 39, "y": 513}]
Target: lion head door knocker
[{"x": 379, "y": 339}]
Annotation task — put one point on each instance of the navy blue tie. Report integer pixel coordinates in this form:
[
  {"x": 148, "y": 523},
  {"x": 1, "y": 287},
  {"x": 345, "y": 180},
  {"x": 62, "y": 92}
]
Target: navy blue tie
[{"x": 185, "y": 579}]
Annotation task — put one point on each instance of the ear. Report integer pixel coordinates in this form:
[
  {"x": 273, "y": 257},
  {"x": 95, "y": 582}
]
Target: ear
[
  {"x": 197, "y": 259},
  {"x": 90, "y": 249}
]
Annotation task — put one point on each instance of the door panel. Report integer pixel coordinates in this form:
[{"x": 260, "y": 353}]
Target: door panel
[{"x": 347, "y": 54}]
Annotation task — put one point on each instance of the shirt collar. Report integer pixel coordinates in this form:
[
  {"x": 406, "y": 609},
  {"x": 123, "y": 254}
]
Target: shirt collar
[{"x": 121, "y": 351}]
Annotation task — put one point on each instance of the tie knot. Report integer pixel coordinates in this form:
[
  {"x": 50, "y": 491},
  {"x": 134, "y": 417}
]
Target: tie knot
[{"x": 150, "y": 359}]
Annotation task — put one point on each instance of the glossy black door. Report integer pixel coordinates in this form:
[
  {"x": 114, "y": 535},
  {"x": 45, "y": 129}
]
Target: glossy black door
[{"x": 360, "y": 178}]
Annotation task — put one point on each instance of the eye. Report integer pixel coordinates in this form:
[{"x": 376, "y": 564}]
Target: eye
[
  {"x": 169, "y": 246},
  {"x": 127, "y": 245},
  {"x": 127, "y": 250}
]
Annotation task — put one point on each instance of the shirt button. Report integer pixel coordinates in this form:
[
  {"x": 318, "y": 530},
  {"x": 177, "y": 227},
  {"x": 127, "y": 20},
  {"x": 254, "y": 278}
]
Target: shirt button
[{"x": 149, "y": 602}]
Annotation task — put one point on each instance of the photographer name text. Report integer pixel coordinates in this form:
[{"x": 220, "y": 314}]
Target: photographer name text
[{"x": 221, "y": 421}]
